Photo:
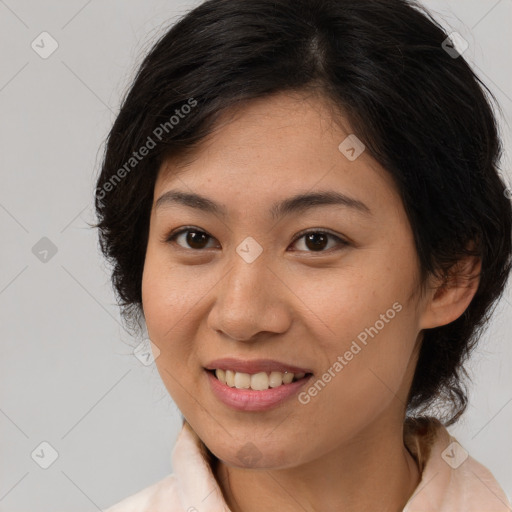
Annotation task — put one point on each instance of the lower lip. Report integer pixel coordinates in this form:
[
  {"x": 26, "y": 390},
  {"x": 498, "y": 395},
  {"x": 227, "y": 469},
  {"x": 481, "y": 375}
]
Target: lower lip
[{"x": 252, "y": 400}]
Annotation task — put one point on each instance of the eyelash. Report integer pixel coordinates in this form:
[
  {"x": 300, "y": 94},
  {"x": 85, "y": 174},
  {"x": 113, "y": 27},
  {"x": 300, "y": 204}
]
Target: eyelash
[{"x": 343, "y": 243}]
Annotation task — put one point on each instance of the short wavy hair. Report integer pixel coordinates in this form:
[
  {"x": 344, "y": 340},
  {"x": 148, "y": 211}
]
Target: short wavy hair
[{"x": 421, "y": 111}]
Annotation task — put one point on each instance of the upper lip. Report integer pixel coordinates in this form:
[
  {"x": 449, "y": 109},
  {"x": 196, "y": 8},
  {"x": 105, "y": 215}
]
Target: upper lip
[{"x": 254, "y": 366}]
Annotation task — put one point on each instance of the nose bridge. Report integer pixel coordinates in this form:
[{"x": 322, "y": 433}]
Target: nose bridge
[
  {"x": 246, "y": 283},
  {"x": 248, "y": 300}
]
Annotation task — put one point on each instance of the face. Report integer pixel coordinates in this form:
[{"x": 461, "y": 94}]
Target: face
[{"x": 327, "y": 287}]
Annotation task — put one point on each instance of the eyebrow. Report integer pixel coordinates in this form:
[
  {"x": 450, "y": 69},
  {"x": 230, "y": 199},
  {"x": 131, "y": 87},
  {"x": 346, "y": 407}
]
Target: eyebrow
[{"x": 295, "y": 204}]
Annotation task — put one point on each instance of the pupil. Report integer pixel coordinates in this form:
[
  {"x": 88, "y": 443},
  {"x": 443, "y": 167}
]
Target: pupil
[
  {"x": 314, "y": 237},
  {"x": 193, "y": 237}
]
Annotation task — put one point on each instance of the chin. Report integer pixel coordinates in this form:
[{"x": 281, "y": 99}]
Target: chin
[{"x": 248, "y": 455}]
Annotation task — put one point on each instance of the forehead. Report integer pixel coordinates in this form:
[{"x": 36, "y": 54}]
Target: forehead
[{"x": 283, "y": 144}]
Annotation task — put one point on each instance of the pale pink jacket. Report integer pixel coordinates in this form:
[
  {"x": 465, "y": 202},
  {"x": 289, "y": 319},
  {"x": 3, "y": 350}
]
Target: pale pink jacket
[{"x": 451, "y": 480}]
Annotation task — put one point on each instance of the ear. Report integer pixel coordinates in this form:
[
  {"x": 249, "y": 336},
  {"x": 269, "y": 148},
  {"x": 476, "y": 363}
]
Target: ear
[{"x": 449, "y": 298}]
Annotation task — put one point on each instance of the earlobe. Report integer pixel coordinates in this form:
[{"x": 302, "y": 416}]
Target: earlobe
[{"x": 450, "y": 297}]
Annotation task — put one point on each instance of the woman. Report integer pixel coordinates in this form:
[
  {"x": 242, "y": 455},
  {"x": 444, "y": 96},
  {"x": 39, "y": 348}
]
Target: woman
[{"x": 301, "y": 202}]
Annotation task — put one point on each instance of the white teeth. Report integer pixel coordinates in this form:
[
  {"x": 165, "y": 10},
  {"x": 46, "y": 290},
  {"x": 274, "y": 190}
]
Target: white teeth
[
  {"x": 276, "y": 379},
  {"x": 221, "y": 375},
  {"x": 258, "y": 381},
  {"x": 230, "y": 378},
  {"x": 242, "y": 380},
  {"x": 287, "y": 378}
]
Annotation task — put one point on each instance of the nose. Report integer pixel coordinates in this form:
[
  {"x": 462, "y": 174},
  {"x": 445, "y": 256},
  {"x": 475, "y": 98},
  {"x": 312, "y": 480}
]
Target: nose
[{"x": 251, "y": 300}]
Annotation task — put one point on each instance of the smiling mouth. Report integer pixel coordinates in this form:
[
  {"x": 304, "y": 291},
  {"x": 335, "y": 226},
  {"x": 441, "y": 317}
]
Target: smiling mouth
[{"x": 260, "y": 381}]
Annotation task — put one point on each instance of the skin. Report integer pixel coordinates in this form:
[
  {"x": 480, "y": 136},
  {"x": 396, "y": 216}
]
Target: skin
[{"x": 343, "y": 450}]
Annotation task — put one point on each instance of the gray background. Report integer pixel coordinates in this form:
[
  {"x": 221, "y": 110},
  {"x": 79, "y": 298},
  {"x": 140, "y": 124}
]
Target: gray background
[{"x": 69, "y": 377}]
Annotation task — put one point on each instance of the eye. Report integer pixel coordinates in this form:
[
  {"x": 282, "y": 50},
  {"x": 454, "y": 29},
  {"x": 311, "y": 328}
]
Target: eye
[
  {"x": 196, "y": 238},
  {"x": 316, "y": 240}
]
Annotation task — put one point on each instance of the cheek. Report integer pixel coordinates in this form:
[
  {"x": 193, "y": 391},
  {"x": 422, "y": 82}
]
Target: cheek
[
  {"x": 173, "y": 300},
  {"x": 342, "y": 303},
  {"x": 365, "y": 327},
  {"x": 362, "y": 380},
  {"x": 167, "y": 294},
  {"x": 164, "y": 306}
]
